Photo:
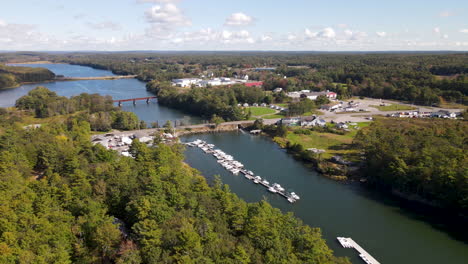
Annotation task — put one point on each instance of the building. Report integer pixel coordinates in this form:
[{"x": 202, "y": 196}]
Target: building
[
  {"x": 186, "y": 82},
  {"x": 312, "y": 95},
  {"x": 253, "y": 84},
  {"x": 312, "y": 121},
  {"x": 290, "y": 121}
]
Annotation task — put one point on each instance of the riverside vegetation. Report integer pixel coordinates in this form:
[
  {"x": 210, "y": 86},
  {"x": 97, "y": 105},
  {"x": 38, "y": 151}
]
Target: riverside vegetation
[
  {"x": 64, "y": 200},
  {"x": 419, "y": 78},
  {"x": 11, "y": 76},
  {"x": 419, "y": 159}
]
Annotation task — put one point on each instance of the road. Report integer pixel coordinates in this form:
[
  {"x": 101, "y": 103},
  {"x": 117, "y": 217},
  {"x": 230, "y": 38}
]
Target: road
[{"x": 371, "y": 111}]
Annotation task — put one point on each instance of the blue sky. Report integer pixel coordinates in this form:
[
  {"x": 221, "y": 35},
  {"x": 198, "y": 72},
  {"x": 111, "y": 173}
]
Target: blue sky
[{"x": 233, "y": 25}]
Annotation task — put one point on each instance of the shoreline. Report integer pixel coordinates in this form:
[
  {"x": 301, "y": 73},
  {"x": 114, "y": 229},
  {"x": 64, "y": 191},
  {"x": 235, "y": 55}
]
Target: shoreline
[{"x": 34, "y": 62}]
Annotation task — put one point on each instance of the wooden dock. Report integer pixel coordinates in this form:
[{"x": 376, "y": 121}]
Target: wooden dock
[{"x": 348, "y": 242}]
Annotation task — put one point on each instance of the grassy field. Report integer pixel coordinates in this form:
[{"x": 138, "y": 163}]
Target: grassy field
[
  {"x": 333, "y": 144},
  {"x": 393, "y": 107},
  {"x": 260, "y": 111}
]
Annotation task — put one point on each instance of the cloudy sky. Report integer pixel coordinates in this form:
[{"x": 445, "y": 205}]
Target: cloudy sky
[{"x": 332, "y": 25}]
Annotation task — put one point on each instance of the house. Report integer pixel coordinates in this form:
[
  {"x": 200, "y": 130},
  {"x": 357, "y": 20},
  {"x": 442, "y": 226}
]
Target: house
[
  {"x": 320, "y": 122},
  {"x": 312, "y": 95},
  {"x": 263, "y": 104},
  {"x": 307, "y": 120},
  {"x": 290, "y": 121},
  {"x": 255, "y": 105},
  {"x": 246, "y": 105},
  {"x": 342, "y": 125},
  {"x": 278, "y": 90}
]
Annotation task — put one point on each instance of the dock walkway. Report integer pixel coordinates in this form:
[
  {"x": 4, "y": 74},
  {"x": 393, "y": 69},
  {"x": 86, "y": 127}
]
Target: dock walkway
[{"x": 348, "y": 242}]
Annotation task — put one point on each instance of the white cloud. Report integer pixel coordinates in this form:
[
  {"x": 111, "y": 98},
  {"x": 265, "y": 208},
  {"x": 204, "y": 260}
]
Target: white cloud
[
  {"x": 2, "y": 23},
  {"x": 105, "y": 25},
  {"x": 291, "y": 37},
  {"x": 436, "y": 30},
  {"x": 381, "y": 34},
  {"x": 238, "y": 19},
  {"x": 326, "y": 33},
  {"x": 166, "y": 16},
  {"x": 446, "y": 13},
  {"x": 157, "y": 1},
  {"x": 355, "y": 35},
  {"x": 464, "y": 30},
  {"x": 230, "y": 37},
  {"x": 266, "y": 38}
]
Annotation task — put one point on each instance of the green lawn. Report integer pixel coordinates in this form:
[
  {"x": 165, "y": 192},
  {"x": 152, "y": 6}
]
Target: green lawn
[
  {"x": 393, "y": 107},
  {"x": 259, "y": 111},
  {"x": 333, "y": 144}
]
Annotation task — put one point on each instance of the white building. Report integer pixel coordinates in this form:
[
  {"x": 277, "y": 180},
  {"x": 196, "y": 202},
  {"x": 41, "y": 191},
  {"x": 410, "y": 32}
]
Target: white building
[{"x": 186, "y": 82}]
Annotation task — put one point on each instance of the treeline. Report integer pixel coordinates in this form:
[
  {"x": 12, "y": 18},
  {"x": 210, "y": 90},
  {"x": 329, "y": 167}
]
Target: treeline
[
  {"x": 11, "y": 76},
  {"x": 423, "y": 157},
  {"x": 65, "y": 200},
  {"x": 419, "y": 78},
  {"x": 98, "y": 110},
  {"x": 207, "y": 102},
  {"x": 412, "y": 77}
]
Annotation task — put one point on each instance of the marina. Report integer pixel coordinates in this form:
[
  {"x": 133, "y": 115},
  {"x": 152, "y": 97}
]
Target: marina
[
  {"x": 348, "y": 242},
  {"x": 235, "y": 167}
]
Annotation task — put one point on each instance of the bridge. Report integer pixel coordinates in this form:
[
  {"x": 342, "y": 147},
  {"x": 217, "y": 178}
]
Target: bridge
[{"x": 134, "y": 100}]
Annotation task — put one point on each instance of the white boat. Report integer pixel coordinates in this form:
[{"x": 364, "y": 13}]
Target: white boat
[
  {"x": 278, "y": 187},
  {"x": 265, "y": 183},
  {"x": 291, "y": 200},
  {"x": 257, "y": 179},
  {"x": 235, "y": 171},
  {"x": 273, "y": 190},
  {"x": 250, "y": 172},
  {"x": 295, "y": 196}
]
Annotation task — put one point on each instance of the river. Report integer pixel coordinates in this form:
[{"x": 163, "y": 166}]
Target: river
[
  {"x": 118, "y": 89},
  {"x": 381, "y": 225}
]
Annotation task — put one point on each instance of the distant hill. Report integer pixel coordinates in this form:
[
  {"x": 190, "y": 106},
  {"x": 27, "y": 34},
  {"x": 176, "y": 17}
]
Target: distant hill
[{"x": 11, "y": 76}]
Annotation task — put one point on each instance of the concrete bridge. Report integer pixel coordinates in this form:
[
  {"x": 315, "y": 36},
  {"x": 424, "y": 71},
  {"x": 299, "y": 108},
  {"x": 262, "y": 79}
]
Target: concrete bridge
[{"x": 147, "y": 99}]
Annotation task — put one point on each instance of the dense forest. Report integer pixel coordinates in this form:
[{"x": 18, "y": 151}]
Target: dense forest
[
  {"x": 207, "y": 102},
  {"x": 98, "y": 110},
  {"x": 418, "y": 156},
  {"x": 65, "y": 200},
  {"x": 11, "y": 76},
  {"x": 419, "y": 78}
]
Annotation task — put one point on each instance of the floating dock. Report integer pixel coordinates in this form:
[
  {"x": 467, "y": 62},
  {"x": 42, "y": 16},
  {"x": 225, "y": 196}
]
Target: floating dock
[
  {"x": 348, "y": 242},
  {"x": 229, "y": 163}
]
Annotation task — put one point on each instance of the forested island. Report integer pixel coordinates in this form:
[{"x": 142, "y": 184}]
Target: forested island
[
  {"x": 66, "y": 200},
  {"x": 11, "y": 76}
]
